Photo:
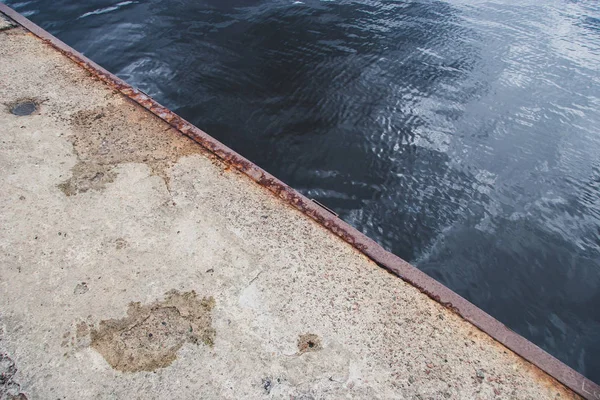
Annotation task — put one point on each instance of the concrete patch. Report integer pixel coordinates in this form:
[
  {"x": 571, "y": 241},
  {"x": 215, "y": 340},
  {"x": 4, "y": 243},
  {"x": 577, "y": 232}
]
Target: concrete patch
[
  {"x": 87, "y": 176},
  {"x": 108, "y": 136},
  {"x": 309, "y": 342},
  {"x": 149, "y": 336}
]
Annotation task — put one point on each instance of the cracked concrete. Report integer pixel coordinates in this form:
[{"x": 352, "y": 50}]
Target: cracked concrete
[{"x": 103, "y": 205}]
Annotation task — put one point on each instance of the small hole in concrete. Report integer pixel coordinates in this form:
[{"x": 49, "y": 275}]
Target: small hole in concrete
[
  {"x": 309, "y": 342},
  {"x": 22, "y": 108}
]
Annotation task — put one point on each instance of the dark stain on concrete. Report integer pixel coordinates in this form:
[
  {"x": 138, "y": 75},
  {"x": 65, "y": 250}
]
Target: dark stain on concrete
[
  {"x": 309, "y": 342},
  {"x": 150, "y": 335},
  {"x": 81, "y": 288},
  {"x": 23, "y": 107},
  {"x": 111, "y": 135},
  {"x": 121, "y": 243},
  {"x": 82, "y": 330},
  {"x": 77, "y": 338},
  {"x": 87, "y": 177},
  {"x": 9, "y": 388}
]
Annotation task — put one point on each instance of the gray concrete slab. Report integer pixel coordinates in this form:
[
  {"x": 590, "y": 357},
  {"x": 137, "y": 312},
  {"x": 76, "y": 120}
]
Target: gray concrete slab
[{"x": 135, "y": 265}]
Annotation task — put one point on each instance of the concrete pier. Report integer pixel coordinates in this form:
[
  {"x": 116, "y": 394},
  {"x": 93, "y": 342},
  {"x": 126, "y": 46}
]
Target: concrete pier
[{"x": 137, "y": 263}]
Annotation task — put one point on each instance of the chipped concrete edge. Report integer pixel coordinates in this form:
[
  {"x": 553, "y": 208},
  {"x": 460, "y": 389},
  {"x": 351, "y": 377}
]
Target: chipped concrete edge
[{"x": 429, "y": 286}]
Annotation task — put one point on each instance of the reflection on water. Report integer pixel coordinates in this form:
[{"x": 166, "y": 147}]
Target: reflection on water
[{"x": 463, "y": 136}]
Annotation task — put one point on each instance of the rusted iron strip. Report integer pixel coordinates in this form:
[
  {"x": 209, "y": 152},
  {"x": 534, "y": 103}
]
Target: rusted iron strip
[{"x": 440, "y": 293}]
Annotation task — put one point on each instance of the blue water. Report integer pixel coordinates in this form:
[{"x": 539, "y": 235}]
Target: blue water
[{"x": 463, "y": 135}]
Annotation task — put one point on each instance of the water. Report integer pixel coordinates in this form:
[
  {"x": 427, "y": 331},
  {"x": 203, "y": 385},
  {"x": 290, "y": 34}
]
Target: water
[{"x": 464, "y": 136}]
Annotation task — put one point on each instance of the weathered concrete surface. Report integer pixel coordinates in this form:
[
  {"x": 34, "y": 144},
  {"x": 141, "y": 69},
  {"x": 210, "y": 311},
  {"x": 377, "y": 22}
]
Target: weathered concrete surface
[
  {"x": 5, "y": 23},
  {"x": 133, "y": 265}
]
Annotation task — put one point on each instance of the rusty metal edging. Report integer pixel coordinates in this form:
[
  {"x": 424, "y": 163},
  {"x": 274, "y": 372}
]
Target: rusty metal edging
[{"x": 440, "y": 293}]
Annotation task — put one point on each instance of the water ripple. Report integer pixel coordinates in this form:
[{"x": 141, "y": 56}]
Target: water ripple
[{"x": 105, "y": 10}]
